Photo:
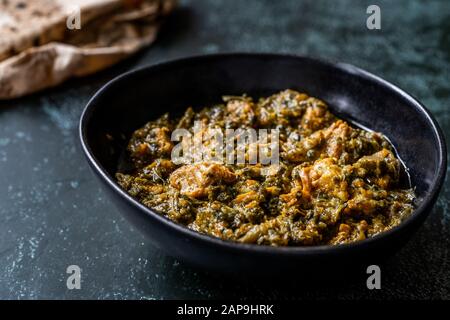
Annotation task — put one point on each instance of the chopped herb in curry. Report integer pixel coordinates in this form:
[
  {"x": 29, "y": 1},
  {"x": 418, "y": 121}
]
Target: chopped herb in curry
[{"x": 335, "y": 183}]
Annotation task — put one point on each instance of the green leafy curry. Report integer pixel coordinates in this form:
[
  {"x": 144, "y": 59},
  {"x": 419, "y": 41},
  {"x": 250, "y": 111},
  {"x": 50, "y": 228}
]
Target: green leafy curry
[{"x": 335, "y": 183}]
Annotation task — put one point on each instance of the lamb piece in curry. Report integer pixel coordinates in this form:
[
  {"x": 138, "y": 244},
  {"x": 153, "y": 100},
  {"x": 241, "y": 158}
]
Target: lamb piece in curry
[{"x": 335, "y": 183}]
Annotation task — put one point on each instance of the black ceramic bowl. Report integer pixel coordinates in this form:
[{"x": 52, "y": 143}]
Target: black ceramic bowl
[{"x": 127, "y": 102}]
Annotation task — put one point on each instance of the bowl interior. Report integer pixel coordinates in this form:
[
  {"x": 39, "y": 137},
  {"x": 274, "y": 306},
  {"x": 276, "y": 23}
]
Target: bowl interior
[{"x": 128, "y": 102}]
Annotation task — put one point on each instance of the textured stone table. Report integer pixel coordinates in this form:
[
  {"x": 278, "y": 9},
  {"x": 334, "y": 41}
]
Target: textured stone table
[{"x": 53, "y": 213}]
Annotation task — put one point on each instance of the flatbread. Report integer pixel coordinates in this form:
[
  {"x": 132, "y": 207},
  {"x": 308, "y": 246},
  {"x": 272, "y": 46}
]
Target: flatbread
[
  {"x": 24, "y": 24},
  {"x": 38, "y": 51}
]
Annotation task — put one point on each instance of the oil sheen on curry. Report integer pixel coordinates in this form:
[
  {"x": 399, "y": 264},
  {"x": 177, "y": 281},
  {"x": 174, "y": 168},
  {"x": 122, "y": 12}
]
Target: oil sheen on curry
[{"x": 335, "y": 183}]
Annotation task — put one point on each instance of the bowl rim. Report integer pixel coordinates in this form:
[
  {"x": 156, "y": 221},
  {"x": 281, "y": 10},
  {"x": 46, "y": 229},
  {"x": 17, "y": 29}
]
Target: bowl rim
[{"x": 426, "y": 203}]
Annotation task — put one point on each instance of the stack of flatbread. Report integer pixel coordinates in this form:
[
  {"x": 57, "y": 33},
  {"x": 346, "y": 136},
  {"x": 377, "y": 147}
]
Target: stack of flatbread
[{"x": 45, "y": 42}]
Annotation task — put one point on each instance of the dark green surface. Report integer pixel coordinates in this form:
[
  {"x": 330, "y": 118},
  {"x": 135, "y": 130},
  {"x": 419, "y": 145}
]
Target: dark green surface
[{"x": 53, "y": 213}]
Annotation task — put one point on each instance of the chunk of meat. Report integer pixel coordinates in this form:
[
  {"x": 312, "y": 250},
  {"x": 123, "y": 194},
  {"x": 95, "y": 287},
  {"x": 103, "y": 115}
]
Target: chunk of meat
[
  {"x": 323, "y": 176},
  {"x": 282, "y": 107},
  {"x": 366, "y": 202},
  {"x": 240, "y": 113},
  {"x": 248, "y": 200},
  {"x": 195, "y": 180},
  {"x": 336, "y": 135},
  {"x": 316, "y": 116},
  {"x": 148, "y": 144},
  {"x": 328, "y": 142},
  {"x": 305, "y": 150},
  {"x": 381, "y": 168},
  {"x": 348, "y": 144},
  {"x": 340, "y": 141}
]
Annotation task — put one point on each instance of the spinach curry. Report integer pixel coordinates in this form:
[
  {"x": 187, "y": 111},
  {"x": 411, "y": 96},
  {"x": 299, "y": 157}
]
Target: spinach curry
[{"x": 335, "y": 183}]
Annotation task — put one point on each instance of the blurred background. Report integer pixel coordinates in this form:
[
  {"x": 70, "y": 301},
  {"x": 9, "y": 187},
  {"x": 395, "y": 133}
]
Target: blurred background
[{"x": 53, "y": 213}]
